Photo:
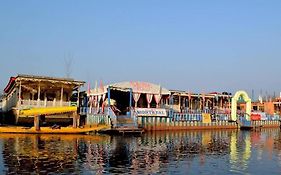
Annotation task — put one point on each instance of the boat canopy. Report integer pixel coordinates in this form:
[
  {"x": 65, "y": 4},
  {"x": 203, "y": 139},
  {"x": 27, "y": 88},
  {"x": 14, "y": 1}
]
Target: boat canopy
[
  {"x": 31, "y": 79},
  {"x": 137, "y": 87}
]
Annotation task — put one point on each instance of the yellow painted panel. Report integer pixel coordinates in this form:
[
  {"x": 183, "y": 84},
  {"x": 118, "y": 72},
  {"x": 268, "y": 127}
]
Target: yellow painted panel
[
  {"x": 47, "y": 111},
  {"x": 206, "y": 118}
]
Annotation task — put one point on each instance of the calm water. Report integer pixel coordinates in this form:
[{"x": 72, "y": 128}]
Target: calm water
[{"x": 200, "y": 152}]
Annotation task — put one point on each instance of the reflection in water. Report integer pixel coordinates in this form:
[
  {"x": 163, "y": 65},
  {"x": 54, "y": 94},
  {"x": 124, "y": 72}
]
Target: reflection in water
[
  {"x": 188, "y": 152},
  {"x": 42, "y": 154},
  {"x": 239, "y": 160}
]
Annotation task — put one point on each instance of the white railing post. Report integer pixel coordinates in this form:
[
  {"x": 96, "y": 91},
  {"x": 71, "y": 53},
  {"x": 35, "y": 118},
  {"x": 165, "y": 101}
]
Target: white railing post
[{"x": 38, "y": 97}]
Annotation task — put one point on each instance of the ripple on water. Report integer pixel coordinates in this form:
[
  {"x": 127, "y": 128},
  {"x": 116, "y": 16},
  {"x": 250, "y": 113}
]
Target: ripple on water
[{"x": 188, "y": 152}]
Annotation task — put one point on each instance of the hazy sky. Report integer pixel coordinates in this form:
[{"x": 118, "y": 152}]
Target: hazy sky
[{"x": 202, "y": 46}]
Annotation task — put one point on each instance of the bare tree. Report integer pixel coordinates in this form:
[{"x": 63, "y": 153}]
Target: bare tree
[{"x": 68, "y": 60}]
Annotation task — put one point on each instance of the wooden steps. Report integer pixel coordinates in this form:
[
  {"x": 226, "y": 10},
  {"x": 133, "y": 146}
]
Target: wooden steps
[{"x": 125, "y": 126}]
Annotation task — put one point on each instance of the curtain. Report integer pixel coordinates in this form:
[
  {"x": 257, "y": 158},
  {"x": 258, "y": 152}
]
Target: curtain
[
  {"x": 103, "y": 97},
  {"x": 91, "y": 100},
  {"x": 95, "y": 101},
  {"x": 136, "y": 97},
  {"x": 203, "y": 101},
  {"x": 99, "y": 98},
  {"x": 149, "y": 99},
  {"x": 157, "y": 99}
]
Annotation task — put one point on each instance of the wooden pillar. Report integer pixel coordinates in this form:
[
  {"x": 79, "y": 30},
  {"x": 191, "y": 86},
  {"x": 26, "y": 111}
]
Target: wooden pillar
[
  {"x": 78, "y": 120},
  {"x": 74, "y": 118},
  {"x": 214, "y": 102},
  {"x": 19, "y": 95},
  {"x": 229, "y": 102},
  {"x": 108, "y": 98},
  {"x": 78, "y": 96},
  {"x": 200, "y": 103},
  {"x": 179, "y": 103},
  {"x": 37, "y": 123},
  {"x": 130, "y": 101},
  {"x": 61, "y": 95}
]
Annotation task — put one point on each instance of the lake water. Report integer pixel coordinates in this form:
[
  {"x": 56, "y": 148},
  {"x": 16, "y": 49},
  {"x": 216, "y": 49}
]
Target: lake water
[{"x": 184, "y": 152}]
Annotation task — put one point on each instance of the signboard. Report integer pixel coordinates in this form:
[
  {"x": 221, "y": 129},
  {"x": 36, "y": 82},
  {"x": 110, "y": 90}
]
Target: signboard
[{"x": 151, "y": 112}]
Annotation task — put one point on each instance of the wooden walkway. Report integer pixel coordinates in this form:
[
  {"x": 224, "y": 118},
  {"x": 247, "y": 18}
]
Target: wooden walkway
[
  {"x": 123, "y": 131},
  {"x": 49, "y": 130}
]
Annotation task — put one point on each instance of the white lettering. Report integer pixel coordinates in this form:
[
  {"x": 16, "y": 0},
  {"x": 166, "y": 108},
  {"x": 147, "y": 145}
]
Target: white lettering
[{"x": 150, "y": 112}]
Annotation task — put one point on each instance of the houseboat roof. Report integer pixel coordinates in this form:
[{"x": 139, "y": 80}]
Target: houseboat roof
[
  {"x": 209, "y": 95},
  {"x": 35, "y": 78},
  {"x": 136, "y": 86}
]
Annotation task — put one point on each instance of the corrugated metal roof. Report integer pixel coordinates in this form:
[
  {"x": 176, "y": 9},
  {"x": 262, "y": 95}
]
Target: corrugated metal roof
[{"x": 24, "y": 76}]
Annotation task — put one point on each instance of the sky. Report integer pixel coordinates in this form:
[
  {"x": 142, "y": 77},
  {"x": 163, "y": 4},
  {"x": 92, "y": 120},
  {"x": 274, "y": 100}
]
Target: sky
[{"x": 195, "y": 45}]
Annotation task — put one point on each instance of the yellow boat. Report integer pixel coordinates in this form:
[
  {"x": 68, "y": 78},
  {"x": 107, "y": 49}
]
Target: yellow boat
[
  {"x": 49, "y": 130},
  {"x": 47, "y": 111}
]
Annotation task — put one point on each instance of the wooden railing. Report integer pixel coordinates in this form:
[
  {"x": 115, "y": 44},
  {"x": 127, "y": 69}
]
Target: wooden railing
[{"x": 45, "y": 103}]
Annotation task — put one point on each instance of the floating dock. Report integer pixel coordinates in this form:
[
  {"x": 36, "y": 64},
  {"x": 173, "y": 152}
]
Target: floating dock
[{"x": 123, "y": 131}]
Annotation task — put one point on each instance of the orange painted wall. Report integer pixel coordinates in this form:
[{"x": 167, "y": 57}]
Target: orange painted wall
[{"x": 269, "y": 108}]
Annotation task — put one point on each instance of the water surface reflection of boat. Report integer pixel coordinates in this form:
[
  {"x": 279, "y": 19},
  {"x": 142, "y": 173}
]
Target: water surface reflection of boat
[{"x": 179, "y": 152}]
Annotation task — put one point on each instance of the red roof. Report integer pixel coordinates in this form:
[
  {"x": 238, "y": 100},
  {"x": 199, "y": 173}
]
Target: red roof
[
  {"x": 213, "y": 93},
  {"x": 10, "y": 84}
]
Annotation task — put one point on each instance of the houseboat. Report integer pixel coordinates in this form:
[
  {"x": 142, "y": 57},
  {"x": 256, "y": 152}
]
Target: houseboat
[
  {"x": 153, "y": 107},
  {"x": 125, "y": 104},
  {"x": 263, "y": 110},
  {"x": 53, "y": 99}
]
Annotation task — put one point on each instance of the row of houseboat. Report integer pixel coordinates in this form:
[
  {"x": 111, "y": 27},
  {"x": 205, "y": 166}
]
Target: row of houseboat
[{"x": 50, "y": 100}]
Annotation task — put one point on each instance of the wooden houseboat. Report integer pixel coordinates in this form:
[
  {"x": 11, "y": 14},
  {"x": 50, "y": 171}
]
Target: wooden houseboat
[
  {"x": 54, "y": 99},
  {"x": 153, "y": 107},
  {"x": 130, "y": 102},
  {"x": 214, "y": 102}
]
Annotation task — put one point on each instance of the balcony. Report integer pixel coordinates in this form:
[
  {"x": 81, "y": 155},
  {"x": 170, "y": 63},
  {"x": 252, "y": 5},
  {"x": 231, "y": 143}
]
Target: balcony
[{"x": 45, "y": 103}]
